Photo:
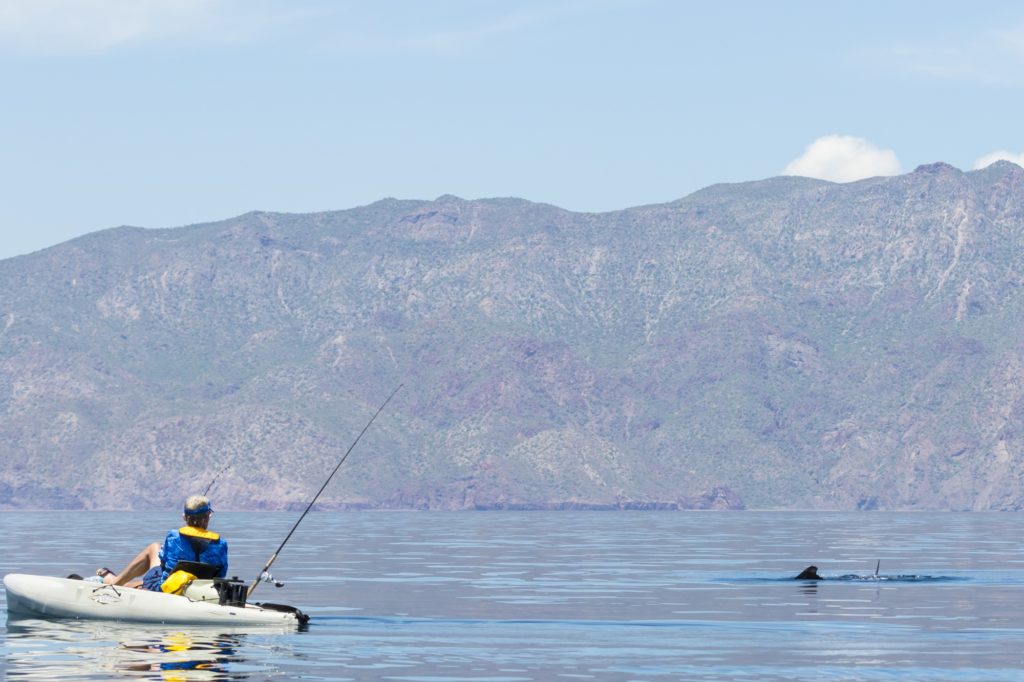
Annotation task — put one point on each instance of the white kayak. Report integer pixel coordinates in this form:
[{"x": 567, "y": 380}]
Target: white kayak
[{"x": 47, "y": 597}]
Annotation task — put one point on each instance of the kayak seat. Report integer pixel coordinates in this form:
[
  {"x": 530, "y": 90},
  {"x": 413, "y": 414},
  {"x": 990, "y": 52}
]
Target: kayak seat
[{"x": 199, "y": 569}]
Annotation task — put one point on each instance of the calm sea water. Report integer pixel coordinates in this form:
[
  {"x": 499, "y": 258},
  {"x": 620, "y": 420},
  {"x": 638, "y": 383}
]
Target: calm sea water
[{"x": 510, "y": 596}]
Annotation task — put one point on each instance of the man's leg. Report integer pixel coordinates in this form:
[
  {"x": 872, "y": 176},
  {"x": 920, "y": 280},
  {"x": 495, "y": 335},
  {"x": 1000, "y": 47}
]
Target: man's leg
[{"x": 143, "y": 561}]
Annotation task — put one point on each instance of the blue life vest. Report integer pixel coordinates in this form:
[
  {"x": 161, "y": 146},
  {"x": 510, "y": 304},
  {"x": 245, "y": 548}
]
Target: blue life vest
[{"x": 193, "y": 544}]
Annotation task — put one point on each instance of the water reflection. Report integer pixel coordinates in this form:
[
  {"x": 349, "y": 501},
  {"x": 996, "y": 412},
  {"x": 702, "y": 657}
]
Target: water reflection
[
  {"x": 179, "y": 653},
  {"x": 809, "y": 588},
  {"x": 48, "y": 650}
]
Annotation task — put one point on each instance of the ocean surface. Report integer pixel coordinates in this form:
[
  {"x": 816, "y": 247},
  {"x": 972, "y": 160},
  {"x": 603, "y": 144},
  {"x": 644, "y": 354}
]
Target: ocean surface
[{"x": 517, "y": 596}]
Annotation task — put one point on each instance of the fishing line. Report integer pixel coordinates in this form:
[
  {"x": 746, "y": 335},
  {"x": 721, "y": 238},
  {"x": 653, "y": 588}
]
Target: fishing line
[{"x": 273, "y": 557}]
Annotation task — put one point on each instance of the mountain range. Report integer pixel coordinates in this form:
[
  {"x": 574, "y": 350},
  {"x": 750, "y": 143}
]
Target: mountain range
[{"x": 788, "y": 343}]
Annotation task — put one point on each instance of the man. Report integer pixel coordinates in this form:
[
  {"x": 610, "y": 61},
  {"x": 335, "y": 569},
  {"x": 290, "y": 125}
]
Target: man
[{"x": 191, "y": 542}]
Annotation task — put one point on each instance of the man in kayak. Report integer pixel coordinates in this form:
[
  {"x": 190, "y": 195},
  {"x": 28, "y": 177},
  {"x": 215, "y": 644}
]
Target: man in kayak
[{"x": 191, "y": 542}]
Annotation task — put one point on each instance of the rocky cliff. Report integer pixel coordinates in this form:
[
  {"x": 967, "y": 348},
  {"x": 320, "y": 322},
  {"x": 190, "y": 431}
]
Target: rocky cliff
[{"x": 788, "y": 343}]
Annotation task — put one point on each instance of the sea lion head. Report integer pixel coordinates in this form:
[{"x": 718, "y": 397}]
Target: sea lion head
[{"x": 809, "y": 573}]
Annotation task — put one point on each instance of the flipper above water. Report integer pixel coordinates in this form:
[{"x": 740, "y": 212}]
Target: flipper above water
[{"x": 809, "y": 573}]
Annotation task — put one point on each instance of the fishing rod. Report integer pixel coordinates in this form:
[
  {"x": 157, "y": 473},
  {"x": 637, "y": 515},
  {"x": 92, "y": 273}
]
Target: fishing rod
[
  {"x": 273, "y": 557},
  {"x": 226, "y": 467}
]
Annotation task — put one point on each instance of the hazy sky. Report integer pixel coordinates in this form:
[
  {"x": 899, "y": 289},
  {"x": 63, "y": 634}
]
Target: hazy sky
[{"x": 163, "y": 113}]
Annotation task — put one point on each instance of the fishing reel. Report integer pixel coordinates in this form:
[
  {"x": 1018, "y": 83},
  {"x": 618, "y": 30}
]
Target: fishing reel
[{"x": 265, "y": 577}]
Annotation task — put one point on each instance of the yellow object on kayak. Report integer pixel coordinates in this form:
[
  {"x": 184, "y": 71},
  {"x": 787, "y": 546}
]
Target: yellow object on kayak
[{"x": 177, "y": 582}]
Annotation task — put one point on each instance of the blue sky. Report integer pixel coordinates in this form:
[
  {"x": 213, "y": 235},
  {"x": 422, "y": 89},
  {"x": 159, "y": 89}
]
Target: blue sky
[{"x": 161, "y": 113}]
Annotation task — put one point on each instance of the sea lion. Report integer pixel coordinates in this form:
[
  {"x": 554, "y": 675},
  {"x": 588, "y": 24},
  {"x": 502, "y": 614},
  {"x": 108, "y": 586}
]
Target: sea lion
[{"x": 809, "y": 573}]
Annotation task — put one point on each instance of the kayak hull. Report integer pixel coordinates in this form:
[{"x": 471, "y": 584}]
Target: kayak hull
[{"x": 47, "y": 597}]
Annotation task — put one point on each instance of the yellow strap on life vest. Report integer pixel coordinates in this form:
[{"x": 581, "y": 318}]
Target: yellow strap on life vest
[{"x": 199, "y": 533}]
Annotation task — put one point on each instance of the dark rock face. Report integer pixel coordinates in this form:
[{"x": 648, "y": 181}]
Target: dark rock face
[{"x": 789, "y": 343}]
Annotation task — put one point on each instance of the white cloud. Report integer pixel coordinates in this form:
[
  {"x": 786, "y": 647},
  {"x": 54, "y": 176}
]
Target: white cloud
[
  {"x": 1000, "y": 155},
  {"x": 843, "y": 158},
  {"x": 92, "y": 26},
  {"x": 452, "y": 40},
  {"x": 445, "y": 41},
  {"x": 992, "y": 57}
]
